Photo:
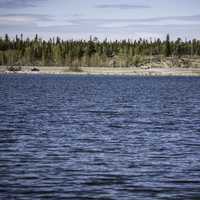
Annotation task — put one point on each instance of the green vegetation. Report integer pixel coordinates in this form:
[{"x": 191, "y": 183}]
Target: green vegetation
[
  {"x": 123, "y": 53},
  {"x": 168, "y": 46}
]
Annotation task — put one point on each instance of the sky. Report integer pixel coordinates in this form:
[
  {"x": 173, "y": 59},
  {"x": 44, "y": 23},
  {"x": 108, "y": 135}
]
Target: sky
[{"x": 111, "y": 19}]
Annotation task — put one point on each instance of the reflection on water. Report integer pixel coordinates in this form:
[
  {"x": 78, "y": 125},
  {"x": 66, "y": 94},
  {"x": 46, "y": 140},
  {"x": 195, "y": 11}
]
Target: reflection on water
[{"x": 112, "y": 138}]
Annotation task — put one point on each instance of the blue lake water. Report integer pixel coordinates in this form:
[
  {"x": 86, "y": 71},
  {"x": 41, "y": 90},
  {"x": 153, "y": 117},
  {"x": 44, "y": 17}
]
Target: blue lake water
[{"x": 99, "y": 137}]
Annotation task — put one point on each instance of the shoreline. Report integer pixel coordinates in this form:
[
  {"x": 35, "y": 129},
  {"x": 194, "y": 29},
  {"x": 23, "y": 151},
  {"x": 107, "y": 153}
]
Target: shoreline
[{"x": 132, "y": 71}]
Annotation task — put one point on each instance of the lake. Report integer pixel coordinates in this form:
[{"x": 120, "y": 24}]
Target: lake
[{"x": 99, "y": 137}]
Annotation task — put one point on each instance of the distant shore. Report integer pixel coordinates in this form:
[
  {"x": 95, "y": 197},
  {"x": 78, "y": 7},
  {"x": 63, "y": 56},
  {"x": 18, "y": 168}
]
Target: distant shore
[{"x": 132, "y": 71}]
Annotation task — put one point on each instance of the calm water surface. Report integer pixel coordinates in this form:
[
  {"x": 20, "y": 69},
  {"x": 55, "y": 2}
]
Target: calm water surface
[{"x": 97, "y": 137}]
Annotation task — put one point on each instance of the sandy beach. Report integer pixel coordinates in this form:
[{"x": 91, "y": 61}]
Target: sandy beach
[{"x": 133, "y": 71}]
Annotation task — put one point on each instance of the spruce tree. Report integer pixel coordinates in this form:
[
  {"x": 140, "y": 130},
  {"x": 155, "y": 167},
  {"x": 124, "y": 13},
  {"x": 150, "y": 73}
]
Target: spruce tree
[{"x": 167, "y": 46}]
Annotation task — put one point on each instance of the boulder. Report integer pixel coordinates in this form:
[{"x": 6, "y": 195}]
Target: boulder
[
  {"x": 14, "y": 68},
  {"x": 35, "y": 69}
]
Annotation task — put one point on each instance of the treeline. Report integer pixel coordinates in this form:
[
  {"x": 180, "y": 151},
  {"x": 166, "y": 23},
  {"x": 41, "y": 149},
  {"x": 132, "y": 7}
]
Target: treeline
[{"x": 123, "y": 53}]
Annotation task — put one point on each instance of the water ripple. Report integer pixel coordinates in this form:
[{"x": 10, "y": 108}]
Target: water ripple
[{"x": 102, "y": 138}]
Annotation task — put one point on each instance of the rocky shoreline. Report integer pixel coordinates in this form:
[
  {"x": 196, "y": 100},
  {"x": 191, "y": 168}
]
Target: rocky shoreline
[{"x": 134, "y": 71}]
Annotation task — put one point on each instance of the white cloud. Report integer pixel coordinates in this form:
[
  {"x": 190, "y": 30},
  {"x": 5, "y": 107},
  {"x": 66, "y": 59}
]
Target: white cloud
[
  {"x": 123, "y": 6},
  {"x": 23, "y": 19},
  {"x": 14, "y": 20},
  {"x": 15, "y": 4},
  {"x": 55, "y": 23},
  {"x": 115, "y": 25}
]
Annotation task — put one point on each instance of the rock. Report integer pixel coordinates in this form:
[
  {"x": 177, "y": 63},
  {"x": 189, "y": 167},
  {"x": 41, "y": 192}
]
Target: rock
[
  {"x": 35, "y": 69},
  {"x": 14, "y": 68}
]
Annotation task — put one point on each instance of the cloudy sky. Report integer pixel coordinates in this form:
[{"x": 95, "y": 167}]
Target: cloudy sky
[{"x": 121, "y": 19}]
